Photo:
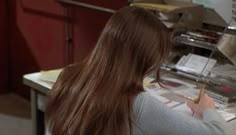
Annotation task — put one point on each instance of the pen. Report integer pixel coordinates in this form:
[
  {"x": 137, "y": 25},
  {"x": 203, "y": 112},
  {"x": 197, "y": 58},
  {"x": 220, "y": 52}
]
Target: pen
[{"x": 196, "y": 101}]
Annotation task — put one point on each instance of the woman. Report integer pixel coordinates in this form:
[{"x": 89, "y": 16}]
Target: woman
[{"x": 104, "y": 95}]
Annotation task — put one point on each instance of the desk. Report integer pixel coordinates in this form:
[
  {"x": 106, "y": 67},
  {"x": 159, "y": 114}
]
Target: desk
[{"x": 39, "y": 91}]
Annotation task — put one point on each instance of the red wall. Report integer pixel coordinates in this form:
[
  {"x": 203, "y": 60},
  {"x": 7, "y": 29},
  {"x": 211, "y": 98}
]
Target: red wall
[
  {"x": 3, "y": 47},
  {"x": 38, "y": 36},
  {"x": 37, "y": 39},
  {"x": 88, "y": 24}
]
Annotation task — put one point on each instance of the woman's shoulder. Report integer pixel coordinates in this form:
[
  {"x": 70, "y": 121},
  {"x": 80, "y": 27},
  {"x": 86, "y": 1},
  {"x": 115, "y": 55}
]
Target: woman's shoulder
[
  {"x": 148, "y": 110},
  {"x": 146, "y": 97},
  {"x": 146, "y": 101}
]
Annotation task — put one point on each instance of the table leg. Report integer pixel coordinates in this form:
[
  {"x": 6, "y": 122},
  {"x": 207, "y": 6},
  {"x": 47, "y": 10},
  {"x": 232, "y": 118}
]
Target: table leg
[{"x": 36, "y": 115}]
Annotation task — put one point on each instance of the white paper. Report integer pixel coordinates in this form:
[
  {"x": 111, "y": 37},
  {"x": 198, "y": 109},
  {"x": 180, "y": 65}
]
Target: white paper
[
  {"x": 50, "y": 76},
  {"x": 195, "y": 64},
  {"x": 226, "y": 115}
]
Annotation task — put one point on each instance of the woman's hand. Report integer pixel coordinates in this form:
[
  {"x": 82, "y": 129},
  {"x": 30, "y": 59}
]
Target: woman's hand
[{"x": 205, "y": 102}]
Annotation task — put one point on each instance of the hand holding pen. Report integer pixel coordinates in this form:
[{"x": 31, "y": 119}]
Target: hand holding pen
[{"x": 201, "y": 103}]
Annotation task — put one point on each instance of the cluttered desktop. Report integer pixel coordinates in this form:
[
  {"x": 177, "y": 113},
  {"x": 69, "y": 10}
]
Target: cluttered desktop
[{"x": 204, "y": 53}]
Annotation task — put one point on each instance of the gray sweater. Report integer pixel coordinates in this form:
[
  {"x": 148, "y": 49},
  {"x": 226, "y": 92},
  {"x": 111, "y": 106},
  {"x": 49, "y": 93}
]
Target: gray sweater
[
  {"x": 152, "y": 117},
  {"x": 155, "y": 118}
]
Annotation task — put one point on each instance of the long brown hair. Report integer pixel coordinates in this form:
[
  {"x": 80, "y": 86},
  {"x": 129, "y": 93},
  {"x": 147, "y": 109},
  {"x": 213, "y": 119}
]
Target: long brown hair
[{"x": 96, "y": 96}]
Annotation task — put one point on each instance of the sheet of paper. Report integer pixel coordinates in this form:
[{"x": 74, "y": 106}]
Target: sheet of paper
[
  {"x": 50, "y": 76},
  {"x": 226, "y": 115}
]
